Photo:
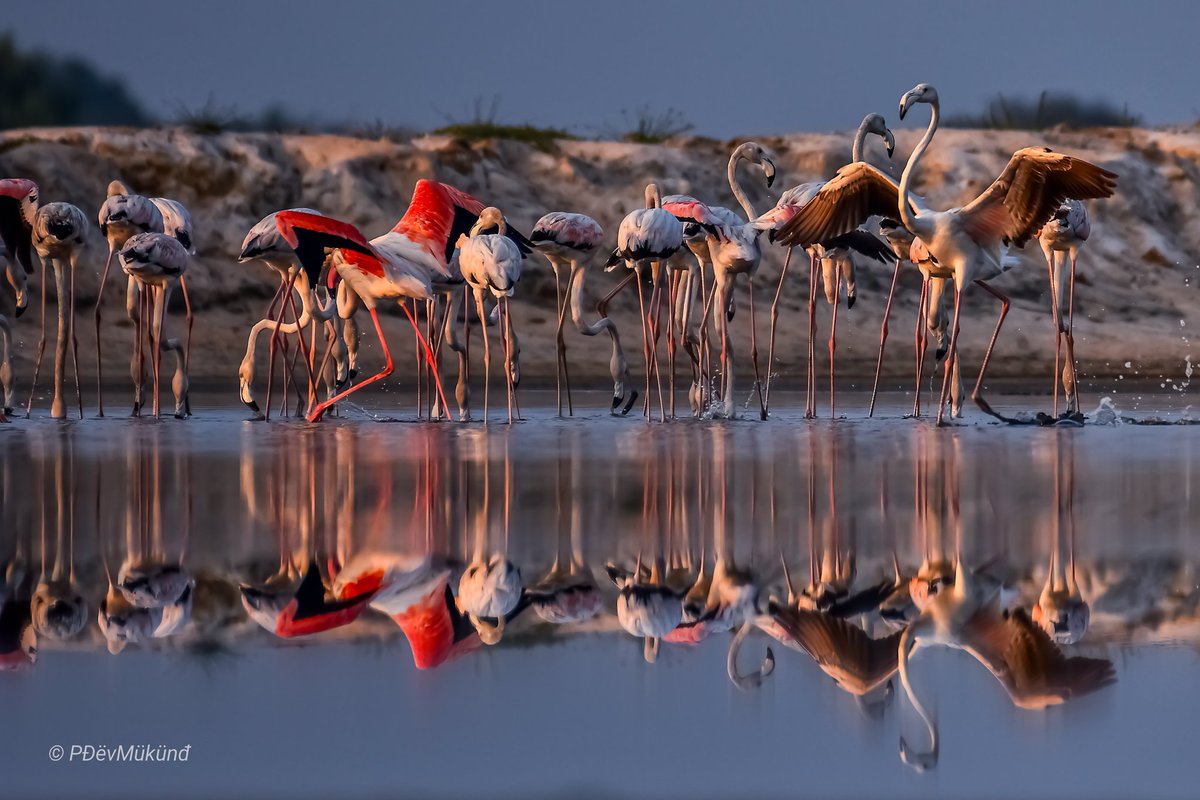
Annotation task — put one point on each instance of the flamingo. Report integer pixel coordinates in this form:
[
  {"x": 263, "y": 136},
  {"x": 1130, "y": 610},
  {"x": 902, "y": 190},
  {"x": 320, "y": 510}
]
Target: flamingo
[
  {"x": 18, "y": 206},
  {"x": 491, "y": 262},
  {"x": 59, "y": 235},
  {"x": 122, "y": 215},
  {"x": 567, "y": 239},
  {"x": 59, "y": 609},
  {"x": 156, "y": 261},
  {"x": 646, "y": 608},
  {"x": 970, "y": 240},
  {"x": 647, "y": 237},
  {"x": 18, "y": 635},
  {"x": 1066, "y": 232},
  {"x": 788, "y": 205},
  {"x": 400, "y": 263},
  {"x": 264, "y": 243}
]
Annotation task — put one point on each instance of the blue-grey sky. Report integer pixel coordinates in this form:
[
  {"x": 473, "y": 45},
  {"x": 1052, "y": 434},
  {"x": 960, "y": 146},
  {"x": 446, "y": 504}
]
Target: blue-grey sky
[{"x": 730, "y": 67}]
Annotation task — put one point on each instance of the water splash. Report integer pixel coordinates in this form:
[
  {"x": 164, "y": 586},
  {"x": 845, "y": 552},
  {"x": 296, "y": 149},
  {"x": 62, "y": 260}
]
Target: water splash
[{"x": 1106, "y": 413}]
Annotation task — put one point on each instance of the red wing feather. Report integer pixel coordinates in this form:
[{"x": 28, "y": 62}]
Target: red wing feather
[{"x": 312, "y": 235}]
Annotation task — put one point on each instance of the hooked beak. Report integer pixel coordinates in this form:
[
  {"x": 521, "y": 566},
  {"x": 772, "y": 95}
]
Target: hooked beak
[
  {"x": 890, "y": 140},
  {"x": 906, "y": 103},
  {"x": 769, "y": 171}
]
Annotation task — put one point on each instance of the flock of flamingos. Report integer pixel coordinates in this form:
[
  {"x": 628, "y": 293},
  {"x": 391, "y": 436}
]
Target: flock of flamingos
[{"x": 680, "y": 252}]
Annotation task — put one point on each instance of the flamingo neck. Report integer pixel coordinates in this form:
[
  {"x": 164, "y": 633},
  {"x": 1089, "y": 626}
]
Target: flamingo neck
[
  {"x": 906, "y": 214},
  {"x": 653, "y": 200},
  {"x": 860, "y": 140},
  {"x": 731, "y": 173},
  {"x": 907, "y": 643}
]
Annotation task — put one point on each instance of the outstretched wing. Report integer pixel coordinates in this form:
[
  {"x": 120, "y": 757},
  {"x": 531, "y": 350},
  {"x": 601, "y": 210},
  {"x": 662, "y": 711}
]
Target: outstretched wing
[
  {"x": 844, "y": 652},
  {"x": 438, "y": 214},
  {"x": 312, "y": 235},
  {"x": 864, "y": 242},
  {"x": 1031, "y": 188},
  {"x": 856, "y": 193},
  {"x": 1040, "y": 675}
]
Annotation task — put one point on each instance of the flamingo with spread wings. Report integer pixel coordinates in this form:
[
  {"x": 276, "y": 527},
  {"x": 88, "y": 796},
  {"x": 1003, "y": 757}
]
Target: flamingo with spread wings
[
  {"x": 970, "y": 240},
  {"x": 401, "y": 263}
]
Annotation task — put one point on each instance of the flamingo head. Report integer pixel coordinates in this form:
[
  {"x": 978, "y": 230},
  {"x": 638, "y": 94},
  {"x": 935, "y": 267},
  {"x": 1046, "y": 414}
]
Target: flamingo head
[
  {"x": 876, "y": 124},
  {"x": 491, "y": 220},
  {"x": 59, "y": 611},
  {"x": 755, "y": 153},
  {"x": 921, "y": 93}
]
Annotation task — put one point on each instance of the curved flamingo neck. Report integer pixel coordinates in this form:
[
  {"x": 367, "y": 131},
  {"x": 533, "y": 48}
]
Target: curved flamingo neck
[
  {"x": 906, "y": 214},
  {"x": 907, "y": 643},
  {"x": 743, "y": 200},
  {"x": 860, "y": 141}
]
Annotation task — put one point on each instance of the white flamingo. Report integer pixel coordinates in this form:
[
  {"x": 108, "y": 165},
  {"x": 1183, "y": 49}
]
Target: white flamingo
[
  {"x": 568, "y": 239},
  {"x": 156, "y": 262},
  {"x": 1061, "y": 239},
  {"x": 971, "y": 239},
  {"x": 647, "y": 237},
  {"x": 59, "y": 236},
  {"x": 491, "y": 262}
]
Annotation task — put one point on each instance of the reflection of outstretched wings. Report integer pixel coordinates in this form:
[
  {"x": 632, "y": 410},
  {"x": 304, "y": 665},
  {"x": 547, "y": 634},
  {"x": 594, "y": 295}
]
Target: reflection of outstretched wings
[
  {"x": 847, "y": 654},
  {"x": 1031, "y": 667}
]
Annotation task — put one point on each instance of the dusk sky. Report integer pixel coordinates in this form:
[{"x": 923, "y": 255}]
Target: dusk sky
[{"x": 731, "y": 68}]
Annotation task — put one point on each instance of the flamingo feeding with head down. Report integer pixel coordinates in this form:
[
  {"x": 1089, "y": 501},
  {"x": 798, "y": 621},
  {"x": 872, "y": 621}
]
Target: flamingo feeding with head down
[
  {"x": 59, "y": 235},
  {"x": 970, "y": 240},
  {"x": 567, "y": 239},
  {"x": 156, "y": 262},
  {"x": 647, "y": 237},
  {"x": 265, "y": 243},
  {"x": 491, "y": 262}
]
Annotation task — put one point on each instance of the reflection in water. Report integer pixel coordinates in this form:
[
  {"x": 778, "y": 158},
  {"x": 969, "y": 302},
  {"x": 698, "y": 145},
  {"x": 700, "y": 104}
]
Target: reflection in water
[{"x": 453, "y": 538}]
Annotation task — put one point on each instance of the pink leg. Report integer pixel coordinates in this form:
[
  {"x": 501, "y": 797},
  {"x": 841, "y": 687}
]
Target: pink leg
[
  {"x": 758, "y": 381},
  {"x": 883, "y": 334},
  {"x": 287, "y": 293},
  {"x": 950, "y": 355},
  {"x": 833, "y": 345},
  {"x": 922, "y": 306},
  {"x": 975, "y": 395},
  {"x": 810, "y": 411},
  {"x": 99, "y": 369},
  {"x": 317, "y": 412},
  {"x": 787, "y": 259}
]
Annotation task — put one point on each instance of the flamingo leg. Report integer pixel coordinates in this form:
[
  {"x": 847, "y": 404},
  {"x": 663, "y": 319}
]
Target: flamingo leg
[
  {"x": 506, "y": 335},
  {"x": 883, "y": 334},
  {"x": 655, "y": 327},
  {"x": 429, "y": 357},
  {"x": 810, "y": 409},
  {"x": 645, "y": 340},
  {"x": 159, "y": 311},
  {"x": 951, "y": 354},
  {"x": 758, "y": 381},
  {"x": 1057, "y": 317},
  {"x": 559, "y": 343},
  {"x": 487, "y": 354},
  {"x": 833, "y": 342},
  {"x": 58, "y": 408},
  {"x": 920, "y": 343},
  {"x": 274, "y": 344},
  {"x": 673, "y": 278},
  {"x": 187, "y": 310},
  {"x": 317, "y": 412},
  {"x": 96, "y": 316},
  {"x": 787, "y": 259},
  {"x": 1073, "y": 387},
  {"x": 74, "y": 338},
  {"x": 303, "y": 349},
  {"x": 41, "y": 347},
  {"x": 976, "y": 394}
]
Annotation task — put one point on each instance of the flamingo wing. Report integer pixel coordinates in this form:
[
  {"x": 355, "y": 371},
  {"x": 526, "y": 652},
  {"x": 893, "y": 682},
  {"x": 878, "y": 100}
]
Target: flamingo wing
[
  {"x": 1039, "y": 674},
  {"x": 688, "y": 209},
  {"x": 311, "y": 235},
  {"x": 14, "y": 229},
  {"x": 1028, "y": 192},
  {"x": 313, "y": 611},
  {"x": 864, "y": 242},
  {"x": 438, "y": 214},
  {"x": 844, "y": 652},
  {"x": 856, "y": 193}
]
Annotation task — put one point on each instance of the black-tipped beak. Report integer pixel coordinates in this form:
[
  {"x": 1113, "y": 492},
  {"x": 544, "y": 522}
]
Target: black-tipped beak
[
  {"x": 770, "y": 170},
  {"x": 253, "y": 406},
  {"x": 850, "y": 298},
  {"x": 20, "y": 311},
  {"x": 891, "y": 143}
]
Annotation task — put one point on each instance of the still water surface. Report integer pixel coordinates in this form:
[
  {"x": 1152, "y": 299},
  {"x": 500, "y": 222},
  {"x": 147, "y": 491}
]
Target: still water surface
[{"x": 308, "y": 607}]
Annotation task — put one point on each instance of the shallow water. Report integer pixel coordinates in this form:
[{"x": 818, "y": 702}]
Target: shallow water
[{"x": 552, "y": 708}]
